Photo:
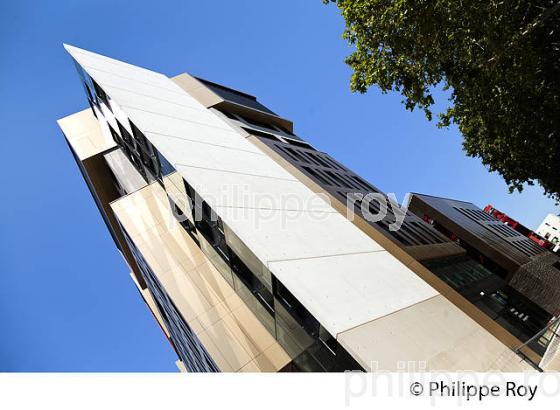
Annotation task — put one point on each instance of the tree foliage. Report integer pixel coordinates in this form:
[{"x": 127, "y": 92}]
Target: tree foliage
[{"x": 500, "y": 61}]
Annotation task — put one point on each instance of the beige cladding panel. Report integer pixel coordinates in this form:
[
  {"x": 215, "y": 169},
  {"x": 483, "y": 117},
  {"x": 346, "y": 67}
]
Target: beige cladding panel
[
  {"x": 181, "y": 366},
  {"x": 229, "y": 331},
  {"x": 204, "y": 95},
  {"x": 83, "y": 132},
  {"x": 175, "y": 188},
  {"x": 197, "y": 89},
  {"x": 432, "y": 335},
  {"x": 126, "y": 175},
  {"x": 553, "y": 365}
]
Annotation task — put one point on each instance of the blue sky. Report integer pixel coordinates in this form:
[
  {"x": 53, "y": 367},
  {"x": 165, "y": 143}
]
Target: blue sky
[{"x": 67, "y": 302}]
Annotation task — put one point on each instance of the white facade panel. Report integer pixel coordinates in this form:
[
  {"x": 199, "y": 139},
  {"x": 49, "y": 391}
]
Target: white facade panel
[
  {"x": 176, "y": 128},
  {"x": 102, "y": 64},
  {"x": 115, "y": 81},
  {"x": 368, "y": 286},
  {"x": 253, "y": 191},
  {"x": 289, "y": 235},
  {"x": 178, "y": 110},
  {"x": 192, "y": 154}
]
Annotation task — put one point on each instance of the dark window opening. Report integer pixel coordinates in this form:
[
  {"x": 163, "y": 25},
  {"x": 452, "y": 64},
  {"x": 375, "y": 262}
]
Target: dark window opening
[
  {"x": 261, "y": 293},
  {"x": 316, "y": 174},
  {"x": 125, "y": 134},
  {"x": 319, "y": 159},
  {"x": 261, "y": 134},
  {"x": 297, "y": 143},
  {"x": 257, "y": 123},
  {"x": 230, "y": 115},
  {"x": 164, "y": 166},
  {"x": 295, "y": 308},
  {"x": 141, "y": 138},
  {"x": 491, "y": 294},
  {"x": 101, "y": 95}
]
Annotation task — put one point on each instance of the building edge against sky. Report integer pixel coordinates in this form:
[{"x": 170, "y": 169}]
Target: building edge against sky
[{"x": 304, "y": 289}]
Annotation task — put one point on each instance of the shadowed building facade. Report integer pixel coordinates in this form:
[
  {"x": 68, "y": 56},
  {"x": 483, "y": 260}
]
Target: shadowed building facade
[
  {"x": 509, "y": 276},
  {"x": 252, "y": 248}
]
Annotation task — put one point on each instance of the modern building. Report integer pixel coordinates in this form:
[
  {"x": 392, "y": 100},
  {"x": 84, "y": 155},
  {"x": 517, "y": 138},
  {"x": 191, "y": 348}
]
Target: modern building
[
  {"x": 512, "y": 278},
  {"x": 519, "y": 227},
  {"x": 257, "y": 252},
  {"x": 550, "y": 230}
]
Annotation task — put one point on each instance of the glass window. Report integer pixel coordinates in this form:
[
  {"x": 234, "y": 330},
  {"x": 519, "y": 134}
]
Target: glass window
[
  {"x": 165, "y": 167},
  {"x": 124, "y": 133},
  {"x": 189, "y": 348},
  {"x": 248, "y": 258},
  {"x": 289, "y": 333},
  {"x": 141, "y": 138},
  {"x": 87, "y": 83},
  {"x": 296, "y": 309},
  {"x": 101, "y": 94},
  {"x": 261, "y": 293},
  {"x": 217, "y": 259}
]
